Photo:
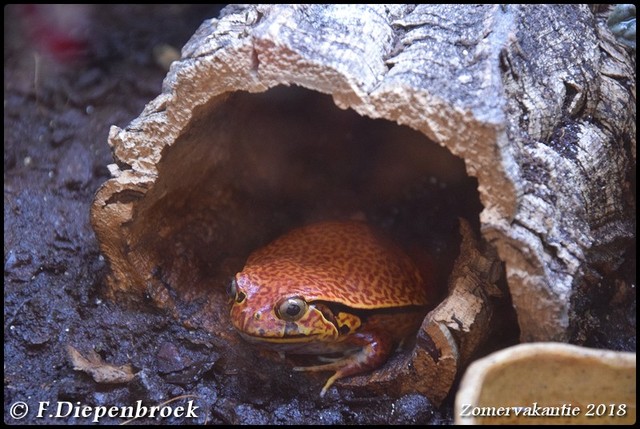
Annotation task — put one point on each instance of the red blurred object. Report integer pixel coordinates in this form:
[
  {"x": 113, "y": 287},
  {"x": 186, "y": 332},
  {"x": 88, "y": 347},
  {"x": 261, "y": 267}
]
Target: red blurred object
[{"x": 58, "y": 31}]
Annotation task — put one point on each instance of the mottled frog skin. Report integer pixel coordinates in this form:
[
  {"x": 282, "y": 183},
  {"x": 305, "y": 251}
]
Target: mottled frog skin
[{"x": 331, "y": 288}]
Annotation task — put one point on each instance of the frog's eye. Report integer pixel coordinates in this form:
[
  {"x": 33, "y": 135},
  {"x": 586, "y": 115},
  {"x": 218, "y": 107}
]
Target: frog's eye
[
  {"x": 232, "y": 291},
  {"x": 292, "y": 309}
]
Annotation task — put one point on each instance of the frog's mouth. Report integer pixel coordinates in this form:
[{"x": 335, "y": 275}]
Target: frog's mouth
[
  {"x": 299, "y": 344},
  {"x": 289, "y": 339},
  {"x": 295, "y": 344}
]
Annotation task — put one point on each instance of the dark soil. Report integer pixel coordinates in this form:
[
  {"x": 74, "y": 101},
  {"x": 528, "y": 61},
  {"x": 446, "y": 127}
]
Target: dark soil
[{"x": 70, "y": 73}]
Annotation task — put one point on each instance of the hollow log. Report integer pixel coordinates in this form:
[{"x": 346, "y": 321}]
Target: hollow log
[{"x": 538, "y": 102}]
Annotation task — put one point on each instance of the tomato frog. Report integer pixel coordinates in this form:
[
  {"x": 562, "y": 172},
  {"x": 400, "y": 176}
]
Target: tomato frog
[{"x": 335, "y": 288}]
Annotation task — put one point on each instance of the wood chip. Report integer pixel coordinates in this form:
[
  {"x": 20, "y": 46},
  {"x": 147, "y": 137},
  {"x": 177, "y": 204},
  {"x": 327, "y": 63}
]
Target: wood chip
[{"x": 101, "y": 371}]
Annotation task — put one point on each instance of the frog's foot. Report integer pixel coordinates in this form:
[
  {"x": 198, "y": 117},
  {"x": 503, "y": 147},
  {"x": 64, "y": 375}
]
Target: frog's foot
[
  {"x": 373, "y": 353},
  {"x": 341, "y": 367}
]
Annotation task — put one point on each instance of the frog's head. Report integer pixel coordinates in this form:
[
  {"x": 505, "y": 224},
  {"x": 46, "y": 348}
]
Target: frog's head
[{"x": 278, "y": 313}]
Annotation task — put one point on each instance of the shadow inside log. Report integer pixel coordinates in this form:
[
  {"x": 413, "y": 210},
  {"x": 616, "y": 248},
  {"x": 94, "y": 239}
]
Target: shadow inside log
[{"x": 249, "y": 167}]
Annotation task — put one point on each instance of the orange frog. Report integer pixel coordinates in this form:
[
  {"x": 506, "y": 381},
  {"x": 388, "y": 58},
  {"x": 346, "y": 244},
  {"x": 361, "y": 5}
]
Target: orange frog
[{"x": 331, "y": 288}]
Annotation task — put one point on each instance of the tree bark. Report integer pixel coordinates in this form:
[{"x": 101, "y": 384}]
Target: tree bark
[{"x": 539, "y": 102}]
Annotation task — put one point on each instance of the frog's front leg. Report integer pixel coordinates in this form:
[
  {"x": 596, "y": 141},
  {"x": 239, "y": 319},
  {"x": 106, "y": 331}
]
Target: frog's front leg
[{"x": 374, "y": 349}]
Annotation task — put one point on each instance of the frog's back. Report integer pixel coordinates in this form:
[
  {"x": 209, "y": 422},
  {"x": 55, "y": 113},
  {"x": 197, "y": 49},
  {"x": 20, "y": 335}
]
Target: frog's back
[{"x": 345, "y": 262}]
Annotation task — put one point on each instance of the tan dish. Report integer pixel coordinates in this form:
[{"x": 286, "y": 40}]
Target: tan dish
[{"x": 549, "y": 383}]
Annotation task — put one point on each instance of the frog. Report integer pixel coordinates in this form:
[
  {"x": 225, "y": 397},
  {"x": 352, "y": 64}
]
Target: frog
[{"x": 340, "y": 290}]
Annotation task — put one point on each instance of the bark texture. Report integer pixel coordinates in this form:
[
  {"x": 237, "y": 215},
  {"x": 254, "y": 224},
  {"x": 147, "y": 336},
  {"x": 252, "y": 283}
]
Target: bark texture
[{"x": 539, "y": 102}]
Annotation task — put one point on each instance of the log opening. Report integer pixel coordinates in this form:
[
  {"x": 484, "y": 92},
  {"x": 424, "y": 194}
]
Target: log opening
[{"x": 245, "y": 171}]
